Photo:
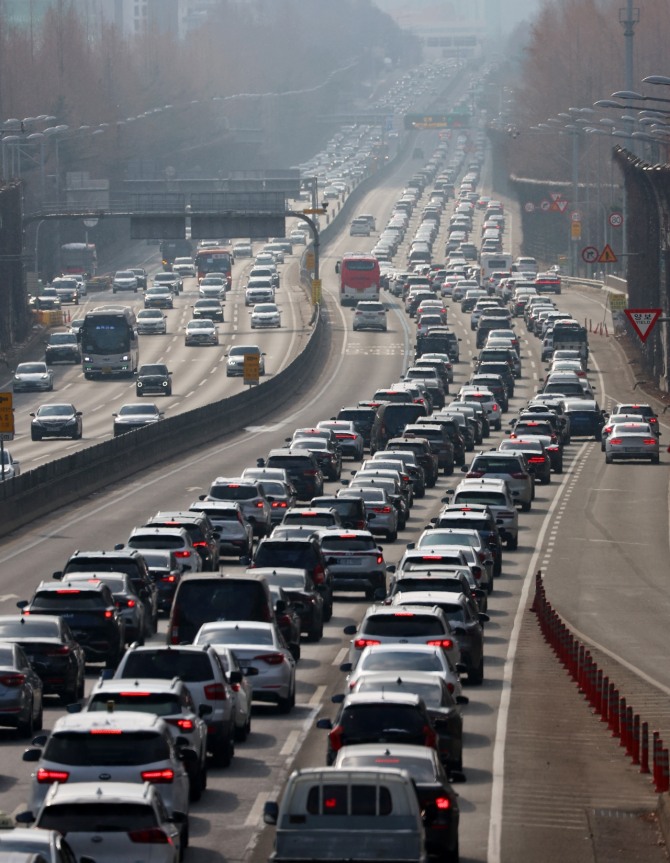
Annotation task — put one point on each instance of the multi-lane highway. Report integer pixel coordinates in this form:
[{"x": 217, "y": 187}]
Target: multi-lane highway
[{"x": 600, "y": 533}]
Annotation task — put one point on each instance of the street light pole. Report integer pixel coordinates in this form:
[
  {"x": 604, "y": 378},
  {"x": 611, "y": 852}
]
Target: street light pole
[{"x": 316, "y": 279}]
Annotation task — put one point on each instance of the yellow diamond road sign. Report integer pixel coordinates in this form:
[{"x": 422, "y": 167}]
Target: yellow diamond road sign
[{"x": 6, "y": 416}]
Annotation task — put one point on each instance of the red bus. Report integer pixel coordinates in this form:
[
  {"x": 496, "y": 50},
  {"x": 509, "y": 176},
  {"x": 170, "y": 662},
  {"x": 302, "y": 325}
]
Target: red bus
[
  {"x": 78, "y": 259},
  {"x": 214, "y": 260},
  {"x": 359, "y": 278}
]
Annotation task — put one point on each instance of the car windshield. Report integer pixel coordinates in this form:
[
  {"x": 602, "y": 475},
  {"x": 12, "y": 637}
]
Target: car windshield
[
  {"x": 55, "y": 410},
  {"x": 62, "y": 339},
  {"x": 31, "y": 369},
  {"x": 241, "y": 350},
  {"x": 200, "y": 325},
  {"x": 150, "y": 313},
  {"x": 155, "y": 369},
  {"x": 138, "y": 411}
]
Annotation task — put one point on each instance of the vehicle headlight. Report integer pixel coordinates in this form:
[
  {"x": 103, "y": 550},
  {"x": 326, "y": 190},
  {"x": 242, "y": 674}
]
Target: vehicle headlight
[
  {"x": 139, "y": 384},
  {"x": 125, "y": 358}
]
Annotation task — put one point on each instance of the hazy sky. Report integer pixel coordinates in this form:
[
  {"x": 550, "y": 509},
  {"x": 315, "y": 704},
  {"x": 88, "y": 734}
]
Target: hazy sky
[{"x": 463, "y": 11}]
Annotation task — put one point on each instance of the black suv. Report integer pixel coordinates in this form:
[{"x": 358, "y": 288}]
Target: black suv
[
  {"x": 89, "y": 610},
  {"x": 302, "y": 469},
  {"x": 473, "y": 516},
  {"x": 62, "y": 348},
  {"x": 440, "y": 443},
  {"x": 199, "y": 528},
  {"x": 351, "y": 510},
  {"x": 206, "y": 596},
  {"x": 362, "y": 417},
  {"x": 300, "y": 553},
  {"x": 153, "y": 379},
  {"x": 129, "y": 561},
  {"x": 390, "y": 421}
]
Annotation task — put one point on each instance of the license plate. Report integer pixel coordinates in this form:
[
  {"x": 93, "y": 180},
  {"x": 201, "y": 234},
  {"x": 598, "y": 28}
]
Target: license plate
[
  {"x": 106, "y": 370},
  {"x": 351, "y": 561}
]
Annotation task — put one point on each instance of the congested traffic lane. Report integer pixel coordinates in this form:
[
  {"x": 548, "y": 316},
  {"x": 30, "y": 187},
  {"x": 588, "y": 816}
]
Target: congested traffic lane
[
  {"x": 607, "y": 571},
  {"x": 199, "y": 373}
]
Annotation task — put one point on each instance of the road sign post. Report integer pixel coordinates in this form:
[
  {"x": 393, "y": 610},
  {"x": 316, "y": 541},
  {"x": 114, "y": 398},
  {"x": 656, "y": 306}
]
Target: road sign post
[
  {"x": 252, "y": 369},
  {"x": 590, "y": 254},
  {"x": 316, "y": 291},
  {"x": 6, "y": 417}
]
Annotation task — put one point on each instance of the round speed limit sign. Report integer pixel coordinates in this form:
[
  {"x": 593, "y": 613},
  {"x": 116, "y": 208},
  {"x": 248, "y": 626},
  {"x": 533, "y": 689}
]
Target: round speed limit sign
[{"x": 615, "y": 220}]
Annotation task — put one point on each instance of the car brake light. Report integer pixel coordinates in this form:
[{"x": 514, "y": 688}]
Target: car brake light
[
  {"x": 382, "y": 509},
  {"x": 450, "y": 687},
  {"x": 45, "y": 777},
  {"x": 518, "y": 475},
  {"x": 615, "y": 441},
  {"x": 361, "y": 643},
  {"x": 536, "y": 459},
  {"x": 380, "y": 560},
  {"x": 199, "y": 544},
  {"x": 58, "y": 651},
  {"x": 494, "y": 407},
  {"x": 12, "y": 680},
  {"x": 168, "y": 578},
  {"x": 259, "y": 504},
  {"x": 185, "y": 724},
  {"x": 345, "y": 436},
  {"x": 270, "y": 658},
  {"x": 67, "y": 591},
  {"x": 105, "y": 731},
  {"x": 215, "y": 692},
  {"x": 318, "y": 576},
  {"x": 109, "y": 613},
  {"x": 447, "y": 643},
  {"x": 475, "y": 474},
  {"x": 134, "y": 693},
  {"x": 150, "y": 836},
  {"x": 335, "y": 738},
  {"x": 651, "y": 441},
  {"x": 279, "y": 504},
  {"x": 158, "y": 777},
  {"x": 184, "y": 553}
]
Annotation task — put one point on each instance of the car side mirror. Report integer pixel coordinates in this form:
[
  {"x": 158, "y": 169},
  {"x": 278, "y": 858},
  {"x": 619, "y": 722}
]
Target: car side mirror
[
  {"x": 338, "y": 698},
  {"x": 280, "y": 606},
  {"x": 346, "y": 667},
  {"x": 26, "y": 817},
  {"x": 350, "y": 629},
  {"x": 206, "y": 709},
  {"x": 74, "y": 708},
  {"x": 324, "y": 723},
  {"x": 234, "y": 677},
  {"x": 32, "y": 755},
  {"x": 270, "y": 812},
  {"x": 250, "y": 671}
]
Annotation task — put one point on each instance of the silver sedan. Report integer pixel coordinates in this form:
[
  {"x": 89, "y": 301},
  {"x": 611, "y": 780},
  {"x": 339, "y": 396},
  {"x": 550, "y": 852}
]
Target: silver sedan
[{"x": 631, "y": 440}]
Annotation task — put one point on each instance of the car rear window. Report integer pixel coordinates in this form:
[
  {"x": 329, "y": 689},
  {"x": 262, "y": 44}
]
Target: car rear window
[
  {"x": 348, "y": 543},
  {"x": 102, "y": 564},
  {"x": 233, "y": 492},
  {"x": 495, "y": 465},
  {"x": 157, "y": 703},
  {"x": 168, "y": 663},
  {"x": 292, "y": 462},
  {"x": 32, "y": 628},
  {"x": 403, "y": 625},
  {"x": 317, "y": 520},
  {"x": 97, "y": 817},
  {"x": 297, "y": 555},
  {"x": 368, "y": 718},
  {"x": 432, "y": 583},
  {"x": 106, "y": 747},
  {"x": 222, "y": 599},
  {"x": 56, "y": 600},
  {"x": 156, "y": 541},
  {"x": 390, "y": 660},
  {"x": 364, "y": 800},
  {"x": 490, "y": 498}
]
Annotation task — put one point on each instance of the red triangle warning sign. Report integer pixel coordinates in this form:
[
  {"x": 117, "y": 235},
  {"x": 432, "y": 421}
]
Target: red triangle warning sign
[
  {"x": 607, "y": 256},
  {"x": 643, "y": 320},
  {"x": 562, "y": 204}
]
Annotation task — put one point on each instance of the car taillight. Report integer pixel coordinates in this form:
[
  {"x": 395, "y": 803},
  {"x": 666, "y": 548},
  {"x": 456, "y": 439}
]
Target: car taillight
[
  {"x": 200, "y": 544},
  {"x": 446, "y": 643},
  {"x": 475, "y": 474},
  {"x": 361, "y": 643},
  {"x": 382, "y": 509},
  {"x": 150, "y": 836},
  {"x": 346, "y": 436},
  {"x": 650, "y": 441},
  {"x": 615, "y": 441},
  {"x": 450, "y": 687},
  {"x": 45, "y": 777},
  {"x": 109, "y": 613},
  {"x": 380, "y": 560},
  {"x": 518, "y": 475},
  {"x": 536, "y": 459},
  {"x": 184, "y": 724},
  {"x": 170, "y": 578},
  {"x": 270, "y": 658},
  {"x": 12, "y": 680},
  {"x": 318, "y": 576},
  {"x": 429, "y": 736},
  {"x": 184, "y": 553},
  {"x": 259, "y": 504},
  {"x": 158, "y": 777},
  {"x": 63, "y": 650},
  {"x": 215, "y": 692},
  {"x": 494, "y": 407},
  {"x": 335, "y": 738},
  {"x": 279, "y": 504}
]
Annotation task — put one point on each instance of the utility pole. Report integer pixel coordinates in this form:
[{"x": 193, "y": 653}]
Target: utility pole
[{"x": 628, "y": 18}]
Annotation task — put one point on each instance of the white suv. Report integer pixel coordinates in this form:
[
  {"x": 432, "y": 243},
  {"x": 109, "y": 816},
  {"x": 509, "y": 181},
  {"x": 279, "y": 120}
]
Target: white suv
[
  {"x": 119, "y": 747},
  {"x": 370, "y": 315},
  {"x": 113, "y": 820},
  {"x": 496, "y": 495}
]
